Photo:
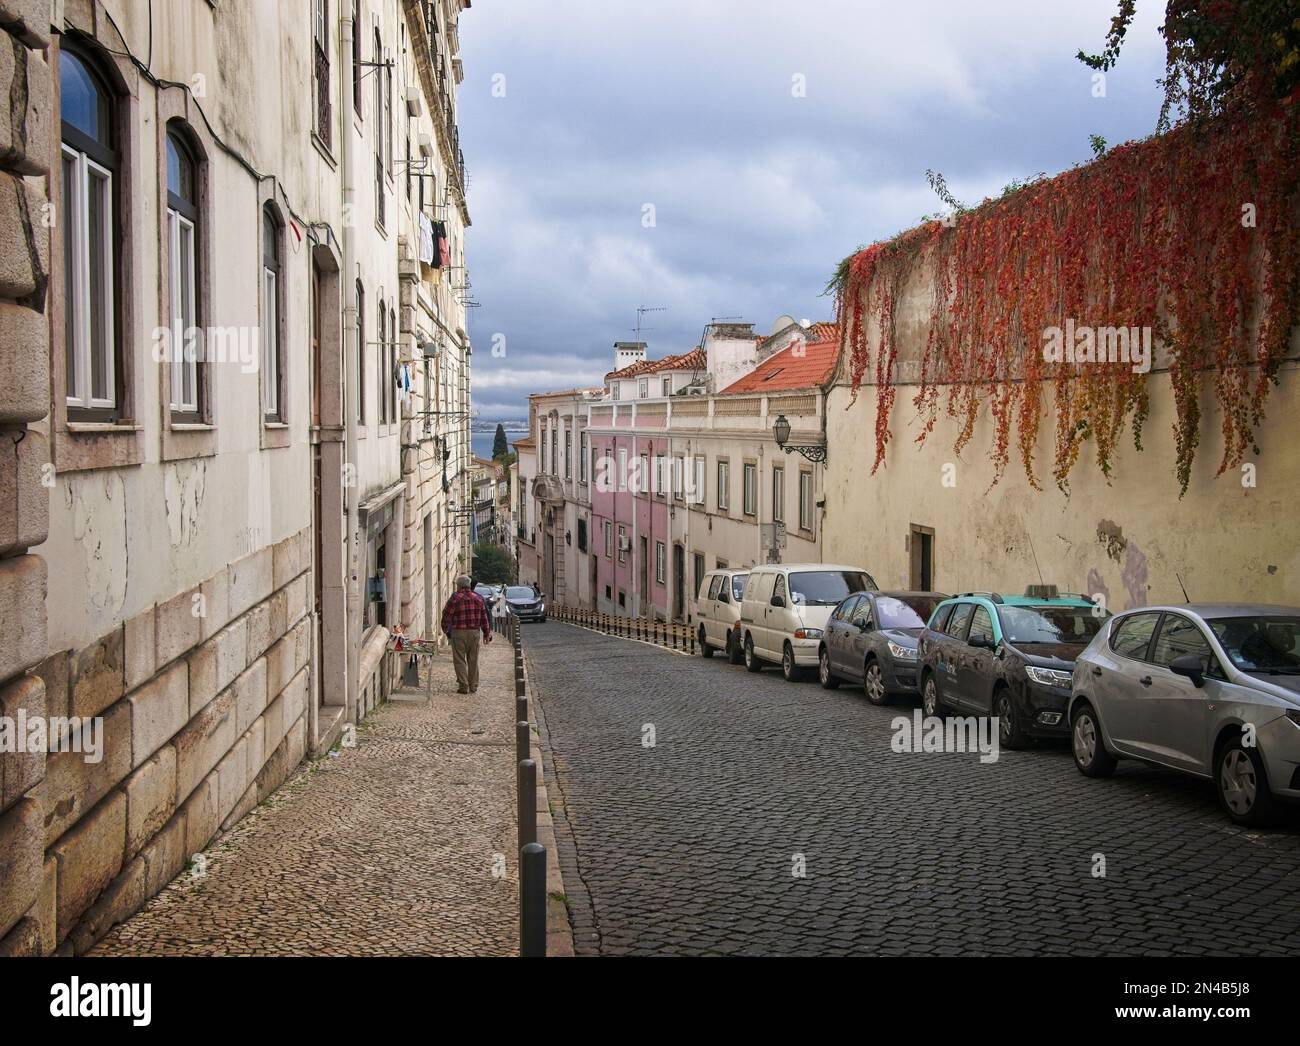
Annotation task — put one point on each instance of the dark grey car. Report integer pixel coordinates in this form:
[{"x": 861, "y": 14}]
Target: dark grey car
[{"x": 871, "y": 638}]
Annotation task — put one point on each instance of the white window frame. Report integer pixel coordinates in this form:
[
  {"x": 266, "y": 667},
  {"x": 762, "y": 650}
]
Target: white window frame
[
  {"x": 661, "y": 563},
  {"x": 582, "y": 456},
  {"x": 749, "y": 491},
  {"x": 699, "y": 488},
  {"x": 609, "y": 539},
  {"x": 643, "y": 388},
  {"x": 184, "y": 363},
  {"x": 79, "y": 384},
  {"x": 805, "y": 499},
  {"x": 724, "y": 485},
  {"x": 778, "y": 493},
  {"x": 270, "y": 342}
]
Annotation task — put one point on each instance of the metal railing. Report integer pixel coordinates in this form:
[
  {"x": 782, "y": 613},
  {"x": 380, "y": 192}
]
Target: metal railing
[{"x": 671, "y": 635}]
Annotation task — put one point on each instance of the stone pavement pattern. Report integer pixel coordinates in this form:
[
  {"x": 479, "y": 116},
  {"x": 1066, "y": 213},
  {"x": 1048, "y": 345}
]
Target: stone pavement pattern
[
  {"x": 387, "y": 848},
  {"x": 689, "y": 846}
]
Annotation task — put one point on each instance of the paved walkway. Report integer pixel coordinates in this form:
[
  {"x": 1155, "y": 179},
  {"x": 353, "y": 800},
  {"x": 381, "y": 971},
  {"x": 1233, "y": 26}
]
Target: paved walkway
[{"x": 388, "y": 848}]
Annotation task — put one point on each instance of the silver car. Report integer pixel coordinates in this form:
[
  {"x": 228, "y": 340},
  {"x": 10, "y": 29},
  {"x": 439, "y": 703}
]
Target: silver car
[{"x": 1209, "y": 689}]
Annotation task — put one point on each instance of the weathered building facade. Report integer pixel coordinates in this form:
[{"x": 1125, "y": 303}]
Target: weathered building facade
[{"x": 215, "y": 360}]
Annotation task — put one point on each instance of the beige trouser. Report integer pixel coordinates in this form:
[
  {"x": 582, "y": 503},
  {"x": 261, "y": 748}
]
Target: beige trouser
[{"x": 464, "y": 655}]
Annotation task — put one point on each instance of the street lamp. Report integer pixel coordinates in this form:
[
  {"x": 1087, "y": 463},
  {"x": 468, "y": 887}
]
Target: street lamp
[{"x": 781, "y": 433}]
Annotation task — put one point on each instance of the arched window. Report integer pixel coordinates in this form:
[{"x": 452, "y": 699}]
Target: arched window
[
  {"x": 89, "y": 211},
  {"x": 272, "y": 368},
  {"x": 183, "y": 256},
  {"x": 361, "y": 353}
]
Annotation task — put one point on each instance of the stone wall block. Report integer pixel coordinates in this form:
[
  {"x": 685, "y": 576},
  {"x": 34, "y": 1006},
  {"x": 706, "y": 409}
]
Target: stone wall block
[
  {"x": 150, "y": 799},
  {"x": 159, "y": 709},
  {"x": 22, "y": 612},
  {"x": 73, "y": 786},
  {"x": 22, "y": 850},
  {"x": 90, "y": 856},
  {"x": 21, "y": 771}
]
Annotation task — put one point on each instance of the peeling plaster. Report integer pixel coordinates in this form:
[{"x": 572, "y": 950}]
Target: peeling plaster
[
  {"x": 96, "y": 506},
  {"x": 1110, "y": 535},
  {"x": 185, "y": 484}
]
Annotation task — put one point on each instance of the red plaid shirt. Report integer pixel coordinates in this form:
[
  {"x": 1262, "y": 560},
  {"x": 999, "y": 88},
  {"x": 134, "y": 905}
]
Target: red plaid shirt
[{"x": 466, "y": 609}]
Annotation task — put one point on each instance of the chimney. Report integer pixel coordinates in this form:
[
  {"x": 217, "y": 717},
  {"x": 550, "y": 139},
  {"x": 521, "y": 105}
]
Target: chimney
[{"x": 627, "y": 353}]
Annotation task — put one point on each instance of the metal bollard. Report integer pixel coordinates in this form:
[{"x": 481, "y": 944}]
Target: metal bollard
[
  {"x": 523, "y": 744},
  {"x": 519, "y": 681},
  {"x": 521, "y": 708},
  {"x": 527, "y": 793},
  {"x": 532, "y": 901}
]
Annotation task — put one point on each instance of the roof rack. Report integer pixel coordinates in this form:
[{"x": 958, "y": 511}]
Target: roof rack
[{"x": 992, "y": 596}]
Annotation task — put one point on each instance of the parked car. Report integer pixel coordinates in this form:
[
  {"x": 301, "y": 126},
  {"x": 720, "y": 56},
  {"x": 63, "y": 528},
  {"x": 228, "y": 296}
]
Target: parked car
[
  {"x": 871, "y": 638},
  {"x": 488, "y": 593},
  {"x": 1008, "y": 656},
  {"x": 717, "y": 610},
  {"x": 1211, "y": 690},
  {"x": 523, "y": 600},
  {"x": 785, "y": 607}
]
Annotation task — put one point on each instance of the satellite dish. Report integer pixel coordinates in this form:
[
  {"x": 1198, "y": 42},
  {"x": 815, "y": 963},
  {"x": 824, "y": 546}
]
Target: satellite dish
[{"x": 782, "y": 322}]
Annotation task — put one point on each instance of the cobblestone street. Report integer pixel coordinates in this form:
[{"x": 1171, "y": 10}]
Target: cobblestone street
[
  {"x": 690, "y": 846},
  {"x": 387, "y": 848}
]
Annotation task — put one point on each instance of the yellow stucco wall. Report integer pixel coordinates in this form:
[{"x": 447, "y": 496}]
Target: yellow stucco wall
[{"x": 1125, "y": 539}]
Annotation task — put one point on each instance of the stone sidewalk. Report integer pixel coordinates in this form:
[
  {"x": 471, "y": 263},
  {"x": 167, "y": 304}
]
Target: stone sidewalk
[{"x": 401, "y": 845}]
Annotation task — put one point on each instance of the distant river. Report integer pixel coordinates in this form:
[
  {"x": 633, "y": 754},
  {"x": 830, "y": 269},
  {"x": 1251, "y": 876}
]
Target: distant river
[{"x": 482, "y": 441}]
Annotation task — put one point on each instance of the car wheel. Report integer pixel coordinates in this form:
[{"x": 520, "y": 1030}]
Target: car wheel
[
  {"x": 752, "y": 663},
  {"x": 788, "y": 668},
  {"x": 1090, "y": 754},
  {"x": 828, "y": 679},
  {"x": 1242, "y": 783},
  {"x": 1010, "y": 733},
  {"x": 931, "y": 703},
  {"x": 734, "y": 653},
  {"x": 873, "y": 683},
  {"x": 705, "y": 649}
]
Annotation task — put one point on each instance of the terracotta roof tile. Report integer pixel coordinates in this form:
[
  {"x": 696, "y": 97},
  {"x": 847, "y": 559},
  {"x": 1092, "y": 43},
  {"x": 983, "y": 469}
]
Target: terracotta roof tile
[
  {"x": 785, "y": 370},
  {"x": 693, "y": 360}
]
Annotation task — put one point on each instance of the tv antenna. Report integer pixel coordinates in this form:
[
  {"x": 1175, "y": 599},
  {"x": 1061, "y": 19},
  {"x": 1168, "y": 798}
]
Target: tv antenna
[{"x": 640, "y": 312}]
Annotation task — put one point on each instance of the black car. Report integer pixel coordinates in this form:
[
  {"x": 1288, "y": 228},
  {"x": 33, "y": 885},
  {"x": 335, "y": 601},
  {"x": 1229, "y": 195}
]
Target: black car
[
  {"x": 871, "y": 638},
  {"x": 528, "y": 604},
  {"x": 1007, "y": 656}
]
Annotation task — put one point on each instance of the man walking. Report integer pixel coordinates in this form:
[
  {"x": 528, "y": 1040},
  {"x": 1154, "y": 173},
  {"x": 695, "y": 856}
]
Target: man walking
[{"x": 463, "y": 618}]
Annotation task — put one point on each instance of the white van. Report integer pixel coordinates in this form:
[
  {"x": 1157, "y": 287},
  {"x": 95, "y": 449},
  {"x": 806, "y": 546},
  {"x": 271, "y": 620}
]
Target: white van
[
  {"x": 785, "y": 608},
  {"x": 718, "y": 612}
]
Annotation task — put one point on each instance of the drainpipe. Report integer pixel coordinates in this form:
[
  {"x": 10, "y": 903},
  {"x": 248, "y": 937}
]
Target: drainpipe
[{"x": 350, "y": 351}]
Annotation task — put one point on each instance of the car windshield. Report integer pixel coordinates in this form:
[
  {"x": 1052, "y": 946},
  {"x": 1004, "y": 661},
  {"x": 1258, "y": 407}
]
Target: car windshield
[
  {"x": 1050, "y": 624},
  {"x": 738, "y": 586},
  {"x": 520, "y": 592},
  {"x": 825, "y": 588},
  {"x": 1260, "y": 644},
  {"x": 905, "y": 612}
]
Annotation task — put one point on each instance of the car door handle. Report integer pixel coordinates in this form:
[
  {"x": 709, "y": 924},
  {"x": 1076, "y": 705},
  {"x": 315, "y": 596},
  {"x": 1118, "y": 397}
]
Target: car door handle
[
  {"x": 1145, "y": 680},
  {"x": 1096, "y": 671}
]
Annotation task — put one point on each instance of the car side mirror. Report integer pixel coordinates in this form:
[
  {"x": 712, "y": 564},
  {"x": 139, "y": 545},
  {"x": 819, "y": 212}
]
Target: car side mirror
[
  {"x": 778, "y": 601},
  {"x": 862, "y": 626},
  {"x": 982, "y": 642},
  {"x": 1189, "y": 666}
]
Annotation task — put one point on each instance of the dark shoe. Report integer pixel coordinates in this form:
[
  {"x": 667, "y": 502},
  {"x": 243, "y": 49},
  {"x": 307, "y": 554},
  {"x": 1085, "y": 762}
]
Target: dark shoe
[{"x": 461, "y": 690}]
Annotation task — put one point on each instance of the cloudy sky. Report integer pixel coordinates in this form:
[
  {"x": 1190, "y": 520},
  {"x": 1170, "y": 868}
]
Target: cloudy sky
[{"x": 771, "y": 138}]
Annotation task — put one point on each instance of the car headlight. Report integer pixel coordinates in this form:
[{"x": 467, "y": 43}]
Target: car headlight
[
  {"x": 807, "y": 633},
  {"x": 1048, "y": 676},
  {"x": 903, "y": 653}
]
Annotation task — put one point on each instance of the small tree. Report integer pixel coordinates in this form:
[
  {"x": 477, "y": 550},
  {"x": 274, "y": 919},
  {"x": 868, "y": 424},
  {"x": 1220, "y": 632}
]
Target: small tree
[
  {"x": 500, "y": 446},
  {"x": 493, "y": 565}
]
